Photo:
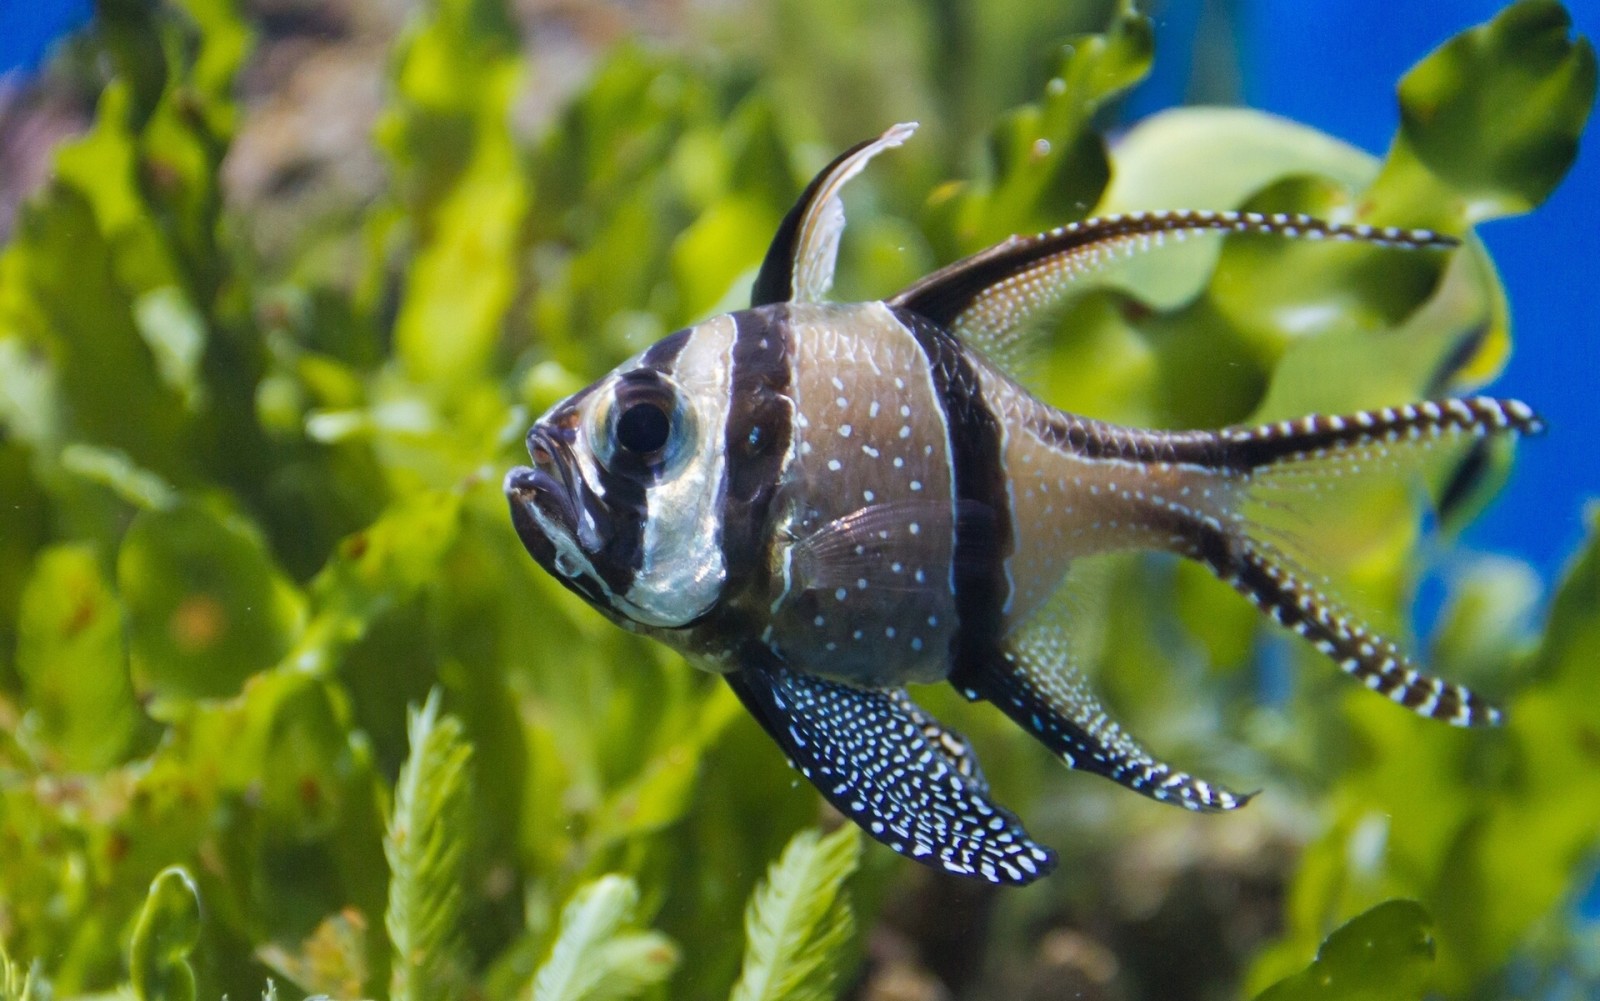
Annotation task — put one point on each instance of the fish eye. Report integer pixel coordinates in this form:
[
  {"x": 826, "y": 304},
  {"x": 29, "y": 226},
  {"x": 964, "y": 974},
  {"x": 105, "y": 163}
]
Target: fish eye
[
  {"x": 643, "y": 428},
  {"x": 644, "y": 422}
]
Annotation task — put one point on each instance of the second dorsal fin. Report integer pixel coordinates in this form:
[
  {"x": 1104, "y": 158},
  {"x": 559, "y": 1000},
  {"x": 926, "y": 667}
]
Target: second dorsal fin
[
  {"x": 990, "y": 298},
  {"x": 799, "y": 262}
]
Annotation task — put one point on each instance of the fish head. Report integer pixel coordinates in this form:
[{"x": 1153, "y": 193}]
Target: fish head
[{"x": 620, "y": 503}]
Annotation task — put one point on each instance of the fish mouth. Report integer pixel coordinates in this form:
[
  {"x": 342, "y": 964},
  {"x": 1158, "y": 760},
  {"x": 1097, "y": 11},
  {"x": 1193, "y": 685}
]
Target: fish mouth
[
  {"x": 548, "y": 487},
  {"x": 546, "y": 502}
]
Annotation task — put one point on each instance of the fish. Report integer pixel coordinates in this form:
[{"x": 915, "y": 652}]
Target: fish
[{"x": 826, "y": 503}]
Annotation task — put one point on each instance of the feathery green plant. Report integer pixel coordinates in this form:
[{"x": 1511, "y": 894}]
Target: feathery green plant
[
  {"x": 597, "y": 955},
  {"x": 799, "y": 920},
  {"x": 426, "y": 852}
]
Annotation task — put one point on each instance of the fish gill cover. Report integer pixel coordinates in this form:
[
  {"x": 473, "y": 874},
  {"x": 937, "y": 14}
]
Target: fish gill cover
[{"x": 287, "y": 710}]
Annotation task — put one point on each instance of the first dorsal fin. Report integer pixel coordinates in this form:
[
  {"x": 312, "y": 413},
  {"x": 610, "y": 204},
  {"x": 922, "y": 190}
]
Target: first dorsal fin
[
  {"x": 799, "y": 263},
  {"x": 989, "y": 298}
]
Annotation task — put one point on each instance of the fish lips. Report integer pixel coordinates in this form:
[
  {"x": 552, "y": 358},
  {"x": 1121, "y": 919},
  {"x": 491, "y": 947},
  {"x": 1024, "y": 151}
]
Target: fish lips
[
  {"x": 549, "y": 510},
  {"x": 544, "y": 497},
  {"x": 528, "y": 489}
]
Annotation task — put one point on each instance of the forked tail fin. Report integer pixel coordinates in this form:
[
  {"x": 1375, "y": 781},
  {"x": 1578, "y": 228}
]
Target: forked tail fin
[{"x": 1320, "y": 449}]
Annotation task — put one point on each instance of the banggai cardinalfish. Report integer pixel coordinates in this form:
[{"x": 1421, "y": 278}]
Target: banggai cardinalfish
[{"x": 825, "y": 503}]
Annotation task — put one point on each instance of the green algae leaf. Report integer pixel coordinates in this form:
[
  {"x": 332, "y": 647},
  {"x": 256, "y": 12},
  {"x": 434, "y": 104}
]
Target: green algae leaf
[
  {"x": 597, "y": 955},
  {"x": 1494, "y": 114},
  {"x": 67, "y": 301},
  {"x": 1462, "y": 848},
  {"x": 799, "y": 920},
  {"x": 207, "y": 605},
  {"x": 375, "y": 571},
  {"x": 1385, "y": 953},
  {"x": 450, "y": 136},
  {"x": 164, "y": 936},
  {"x": 1049, "y": 164},
  {"x": 114, "y": 470},
  {"x": 73, "y": 659},
  {"x": 425, "y": 846}
]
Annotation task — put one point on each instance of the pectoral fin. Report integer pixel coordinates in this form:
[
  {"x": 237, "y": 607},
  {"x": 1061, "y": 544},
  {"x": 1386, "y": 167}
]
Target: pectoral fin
[
  {"x": 1034, "y": 682},
  {"x": 893, "y": 769}
]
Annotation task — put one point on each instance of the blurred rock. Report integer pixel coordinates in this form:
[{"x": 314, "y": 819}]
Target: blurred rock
[
  {"x": 34, "y": 117},
  {"x": 1070, "y": 964}
]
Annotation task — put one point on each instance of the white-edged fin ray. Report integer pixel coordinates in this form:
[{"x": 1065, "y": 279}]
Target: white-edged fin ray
[
  {"x": 800, "y": 261},
  {"x": 993, "y": 298},
  {"x": 894, "y": 546},
  {"x": 1228, "y": 499},
  {"x": 1271, "y": 462},
  {"x": 892, "y": 769},
  {"x": 1033, "y": 681}
]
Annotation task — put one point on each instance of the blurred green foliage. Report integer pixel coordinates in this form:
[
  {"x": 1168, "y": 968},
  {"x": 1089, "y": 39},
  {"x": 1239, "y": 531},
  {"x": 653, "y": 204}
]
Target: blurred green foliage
[{"x": 252, "y": 517}]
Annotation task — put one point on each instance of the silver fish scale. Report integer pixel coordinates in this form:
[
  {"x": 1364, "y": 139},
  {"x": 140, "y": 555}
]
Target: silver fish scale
[{"x": 868, "y": 436}]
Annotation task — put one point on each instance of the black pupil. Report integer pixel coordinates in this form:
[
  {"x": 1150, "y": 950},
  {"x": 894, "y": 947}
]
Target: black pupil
[{"x": 643, "y": 428}]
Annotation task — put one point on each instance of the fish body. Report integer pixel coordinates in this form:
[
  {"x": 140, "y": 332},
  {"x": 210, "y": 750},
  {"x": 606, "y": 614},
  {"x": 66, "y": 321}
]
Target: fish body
[{"x": 827, "y": 502}]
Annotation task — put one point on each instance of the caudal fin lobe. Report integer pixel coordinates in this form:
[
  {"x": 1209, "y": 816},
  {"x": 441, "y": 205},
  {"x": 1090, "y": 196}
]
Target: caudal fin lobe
[{"x": 1320, "y": 449}]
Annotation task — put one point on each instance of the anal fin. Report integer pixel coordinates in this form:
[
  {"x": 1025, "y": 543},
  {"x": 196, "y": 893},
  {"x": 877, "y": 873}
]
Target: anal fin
[
  {"x": 892, "y": 769},
  {"x": 1033, "y": 681}
]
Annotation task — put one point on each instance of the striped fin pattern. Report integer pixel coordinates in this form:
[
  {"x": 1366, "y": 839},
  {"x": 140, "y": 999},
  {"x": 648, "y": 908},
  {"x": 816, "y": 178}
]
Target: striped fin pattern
[
  {"x": 1034, "y": 683},
  {"x": 1271, "y": 582},
  {"x": 1319, "y": 434},
  {"x": 988, "y": 298},
  {"x": 892, "y": 769},
  {"x": 1371, "y": 659}
]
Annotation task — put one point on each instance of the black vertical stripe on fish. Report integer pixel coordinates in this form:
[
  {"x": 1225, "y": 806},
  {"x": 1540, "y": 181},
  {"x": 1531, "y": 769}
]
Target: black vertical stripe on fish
[
  {"x": 890, "y": 767},
  {"x": 608, "y": 523},
  {"x": 617, "y": 514},
  {"x": 663, "y": 354},
  {"x": 760, "y": 425},
  {"x": 978, "y": 472}
]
